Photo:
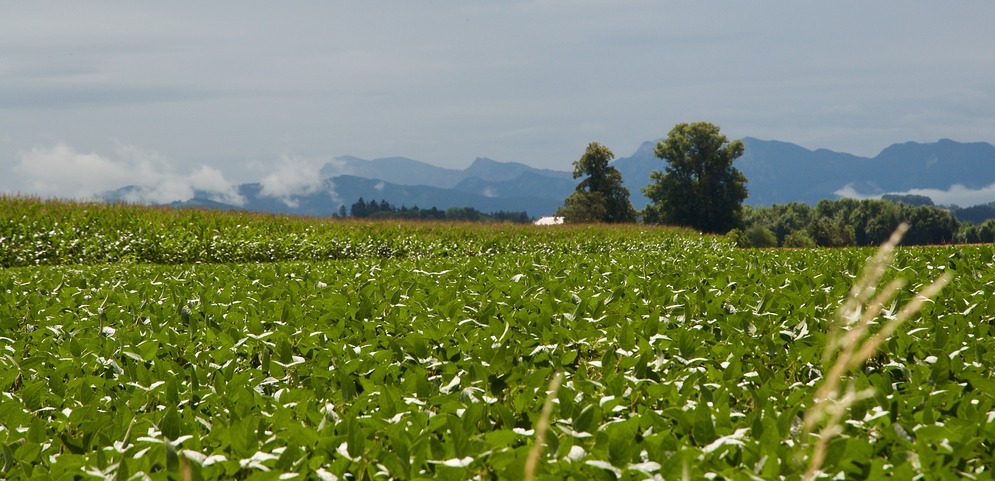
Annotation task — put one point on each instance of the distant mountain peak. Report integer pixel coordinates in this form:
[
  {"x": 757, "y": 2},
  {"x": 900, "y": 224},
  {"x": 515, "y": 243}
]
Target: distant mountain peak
[
  {"x": 646, "y": 149},
  {"x": 483, "y": 161}
]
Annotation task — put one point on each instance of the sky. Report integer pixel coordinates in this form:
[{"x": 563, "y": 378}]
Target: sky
[{"x": 177, "y": 96}]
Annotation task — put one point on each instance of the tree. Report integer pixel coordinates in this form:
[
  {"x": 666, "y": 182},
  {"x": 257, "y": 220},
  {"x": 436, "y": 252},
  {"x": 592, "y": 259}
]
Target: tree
[
  {"x": 928, "y": 226},
  {"x": 754, "y": 236},
  {"x": 911, "y": 199},
  {"x": 600, "y": 197},
  {"x": 986, "y": 231},
  {"x": 582, "y": 207},
  {"x": 700, "y": 188},
  {"x": 828, "y": 231},
  {"x": 873, "y": 221},
  {"x": 781, "y": 219},
  {"x": 761, "y": 237},
  {"x": 359, "y": 209},
  {"x": 798, "y": 239},
  {"x": 463, "y": 213}
]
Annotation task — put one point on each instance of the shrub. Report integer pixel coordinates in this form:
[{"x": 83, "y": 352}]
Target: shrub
[
  {"x": 799, "y": 239},
  {"x": 760, "y": 236},
  {"x": 754, "y": 236}
]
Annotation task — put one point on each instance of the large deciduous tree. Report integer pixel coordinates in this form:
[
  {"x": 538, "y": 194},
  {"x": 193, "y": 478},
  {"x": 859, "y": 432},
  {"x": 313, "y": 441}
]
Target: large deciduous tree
[
  {"x": 600, "y": 197},
  {"x": 700, "y": 188}
]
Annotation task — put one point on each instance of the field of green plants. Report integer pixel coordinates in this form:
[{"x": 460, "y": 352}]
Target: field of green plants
[{"x": 146, "y": 344}]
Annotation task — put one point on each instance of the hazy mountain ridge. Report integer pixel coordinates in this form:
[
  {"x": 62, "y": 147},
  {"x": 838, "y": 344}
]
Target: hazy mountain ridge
[
  {"x": 426, "y": 197},
  {"x": 398, "y": 170},
  {"x": 778, "y": 172},
  {"x": 526, "y": 184},
  {"x": 937, "y": 165},
  {"x": 405, "y": 171}
]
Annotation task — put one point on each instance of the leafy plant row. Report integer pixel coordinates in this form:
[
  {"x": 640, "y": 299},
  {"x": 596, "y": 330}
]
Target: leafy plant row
[
  {"x": 34, "y": 232},
  {"x": 679, "y": 358}
]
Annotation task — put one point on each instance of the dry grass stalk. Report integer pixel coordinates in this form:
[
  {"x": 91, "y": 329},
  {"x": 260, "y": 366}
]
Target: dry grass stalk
[
  {"x": 852, "y": 345},
  {"x": 542, "y": 425}
]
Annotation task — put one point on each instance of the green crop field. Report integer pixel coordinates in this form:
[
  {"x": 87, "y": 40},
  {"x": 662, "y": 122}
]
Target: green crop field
[{"x": 153, "y": 344}]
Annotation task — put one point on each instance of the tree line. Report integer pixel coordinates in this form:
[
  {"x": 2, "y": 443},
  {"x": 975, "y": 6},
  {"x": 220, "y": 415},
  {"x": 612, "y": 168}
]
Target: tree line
[
  {"x": 976, "y": 214},
  {"x": 363, "y": 209},
  {"x": 700, "y": 188},
  {"x": 850, "y": 222}
]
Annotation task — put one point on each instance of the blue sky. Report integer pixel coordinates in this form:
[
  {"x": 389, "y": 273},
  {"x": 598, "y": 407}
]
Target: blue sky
[{"x": 180, "y": 95}]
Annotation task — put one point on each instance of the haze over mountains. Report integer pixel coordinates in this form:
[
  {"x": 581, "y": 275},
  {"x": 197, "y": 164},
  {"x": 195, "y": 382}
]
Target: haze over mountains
[{"x": 950, "y": 172}]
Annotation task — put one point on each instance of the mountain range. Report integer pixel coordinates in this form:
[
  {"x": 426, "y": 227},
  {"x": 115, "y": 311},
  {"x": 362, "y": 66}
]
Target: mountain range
[{"x": 778, "y": 172}]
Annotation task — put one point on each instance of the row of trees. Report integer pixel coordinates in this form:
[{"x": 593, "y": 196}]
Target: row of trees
[
  {"x": 699, "y": 187},
  {"x": 850, "y": 222},
  {"x": 372, "y": 209},
  {"x": 976, "y": 214}
]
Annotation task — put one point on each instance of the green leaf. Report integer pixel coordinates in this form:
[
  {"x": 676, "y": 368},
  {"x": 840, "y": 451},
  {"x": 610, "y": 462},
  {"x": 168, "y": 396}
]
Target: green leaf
[
  {"x": 356, "y": 439},
  {"x": 501, "y": 439},
  {"x": 28, "y": 453},
  {"x": 170, "y": 424},
  {"x": 122, "y": 473},
  {"x": 702, "y": 425},
  {"x": 8, "y": 455},
  {"x": 586, "y": 420},
  {"x": 172, "y": 457}
]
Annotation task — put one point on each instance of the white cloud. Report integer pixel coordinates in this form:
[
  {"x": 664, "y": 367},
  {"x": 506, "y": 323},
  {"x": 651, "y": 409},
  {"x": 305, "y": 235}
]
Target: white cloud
[
  {"x": 61, "y": 171},
  {"x": 957, "y": 194},
  {"x": 293, "y": 176},
  {"x": 848, "y": 192}
]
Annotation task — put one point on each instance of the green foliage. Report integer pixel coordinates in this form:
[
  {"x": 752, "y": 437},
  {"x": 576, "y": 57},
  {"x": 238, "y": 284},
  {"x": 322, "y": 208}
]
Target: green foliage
[
  {"x": 677, "y": 351},
  {"x": 761, "y": 237},
  {"x": 973, "y": 234},
  {"x": 831, "y": 232},
  {"x": 929, "y": 225},
  {"x": 781, "y": 219},
  {"x": 362, "y": 209},
  {"x": 699, "y": 188},
  {"x": 799, "y": 240},
  {"x": 582, "y": 207},
  {"x": 34, "y": 232},
  {"x": 600, "y": 197},
  {"x": 910, "y": 199},
  {"x": 754, "y": 236},
  {"x": 850, "y": 222}
]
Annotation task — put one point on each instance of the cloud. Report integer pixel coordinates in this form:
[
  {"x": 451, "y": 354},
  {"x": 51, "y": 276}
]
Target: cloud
[
  {"x": 957, "y": 194},
  {"x": 205, "y": 181},
  {"x": 63, "y": 172},
  {"x": 849, "y": 192},
  {"x": 294, "y": 176}
]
